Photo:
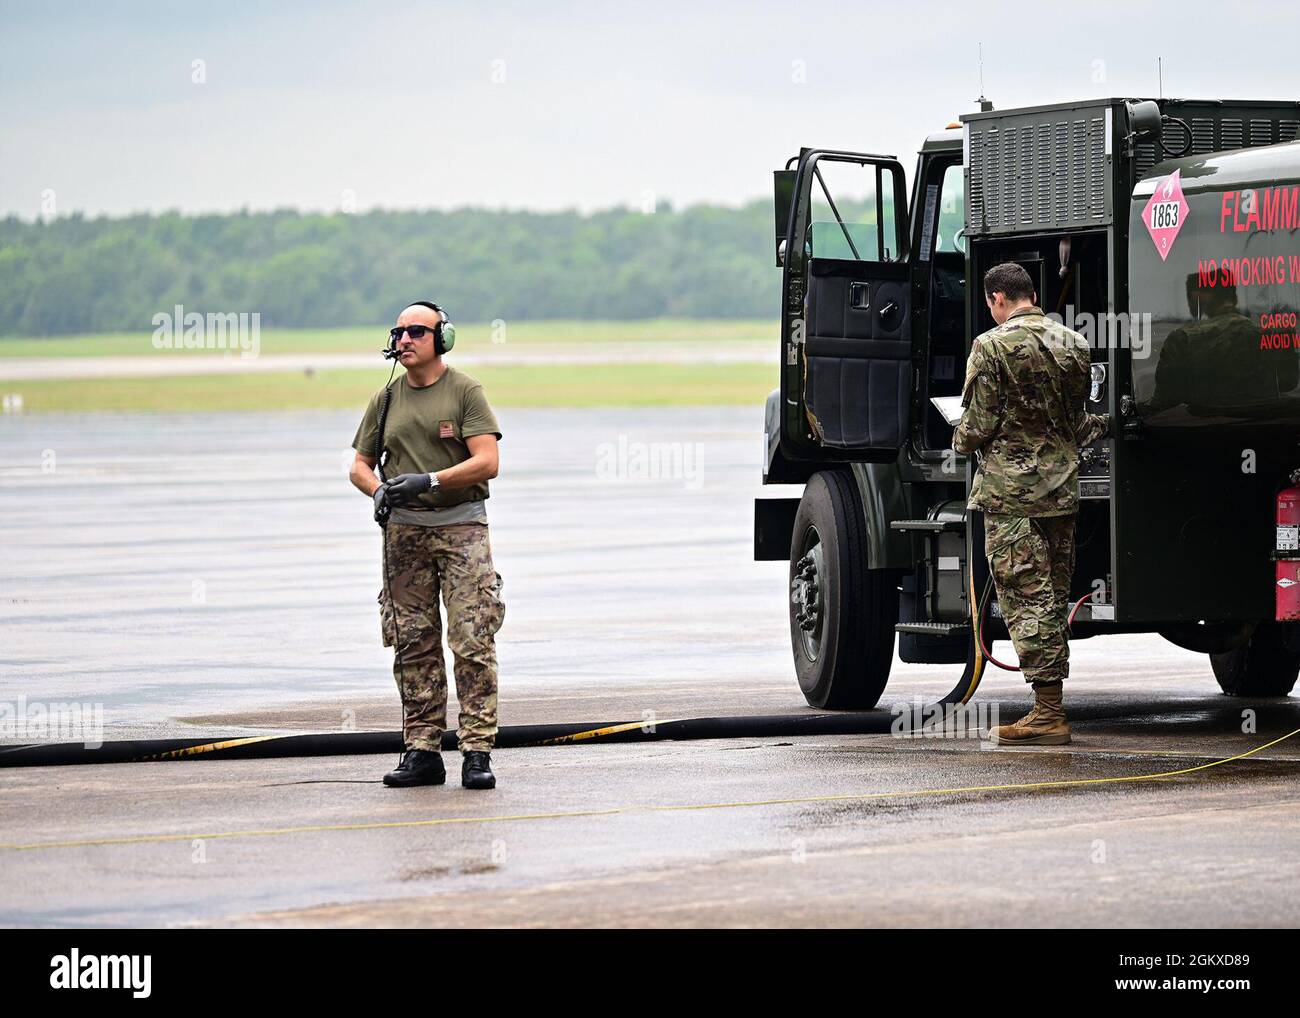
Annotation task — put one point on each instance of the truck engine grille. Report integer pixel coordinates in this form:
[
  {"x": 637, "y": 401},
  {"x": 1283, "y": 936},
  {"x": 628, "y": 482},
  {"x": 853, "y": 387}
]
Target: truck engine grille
[{"x": 1044, "y": 170}]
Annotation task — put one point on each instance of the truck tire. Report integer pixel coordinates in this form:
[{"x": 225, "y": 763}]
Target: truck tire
[
  {"x": 1265, "y": 665},
  {"x": 842, "y": 614}
]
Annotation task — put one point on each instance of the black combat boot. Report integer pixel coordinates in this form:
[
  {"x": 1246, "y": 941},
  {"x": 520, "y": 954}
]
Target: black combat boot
[
  {"x": 418, "y": 767},
  {"x": 476, "y": 771}
]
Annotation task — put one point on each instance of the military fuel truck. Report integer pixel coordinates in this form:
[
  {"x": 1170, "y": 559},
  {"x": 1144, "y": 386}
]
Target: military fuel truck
[{"x": 1167, "y": 233}]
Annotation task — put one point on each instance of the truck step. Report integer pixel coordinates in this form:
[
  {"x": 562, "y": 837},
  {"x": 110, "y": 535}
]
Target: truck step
[
  {"x": 929, "y": 526},
  {"x": 934, "y": 628}
]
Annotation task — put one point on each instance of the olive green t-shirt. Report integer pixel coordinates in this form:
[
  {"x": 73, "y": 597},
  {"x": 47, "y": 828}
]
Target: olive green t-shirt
[{"x": 426, "y": 428}]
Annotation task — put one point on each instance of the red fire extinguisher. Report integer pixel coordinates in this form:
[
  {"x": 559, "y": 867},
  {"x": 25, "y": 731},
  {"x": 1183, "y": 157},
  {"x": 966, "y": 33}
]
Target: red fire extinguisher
[{"x": 1286, "y": 552}]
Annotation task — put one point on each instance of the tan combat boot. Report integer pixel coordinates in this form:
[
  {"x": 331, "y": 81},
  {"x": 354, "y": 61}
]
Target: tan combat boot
[{"x": 1045, "y": 725}]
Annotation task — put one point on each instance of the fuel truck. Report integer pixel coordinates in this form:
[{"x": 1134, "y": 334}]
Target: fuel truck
[{"x": 1167, "y": 232}]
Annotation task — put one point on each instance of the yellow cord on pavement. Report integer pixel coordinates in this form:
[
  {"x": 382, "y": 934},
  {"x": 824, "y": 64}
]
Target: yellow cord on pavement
[{"x": 149, "y": 839}]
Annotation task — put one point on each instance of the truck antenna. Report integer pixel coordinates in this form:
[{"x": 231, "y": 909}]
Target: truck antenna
[
  {"x": 985, "y": 104},
  {"x": 1160, "y": 78}
]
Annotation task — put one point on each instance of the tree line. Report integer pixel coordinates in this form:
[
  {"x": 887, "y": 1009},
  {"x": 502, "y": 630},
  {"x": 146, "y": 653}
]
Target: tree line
[{"x": 78, "y": 274}]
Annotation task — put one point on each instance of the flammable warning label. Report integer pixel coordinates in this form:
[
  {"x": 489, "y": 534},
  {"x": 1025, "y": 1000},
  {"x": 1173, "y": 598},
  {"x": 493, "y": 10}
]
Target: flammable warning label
[{"x": 1165, "y": 213}]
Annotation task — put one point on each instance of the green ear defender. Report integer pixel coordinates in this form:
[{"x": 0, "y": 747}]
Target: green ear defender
[{"x": 444, "y": 336}]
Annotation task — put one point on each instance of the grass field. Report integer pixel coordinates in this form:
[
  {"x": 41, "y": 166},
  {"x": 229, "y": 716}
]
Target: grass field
[
  {"x": 367, "y": 340},
  {"x": 611, "y": 383},
  {"x": 549, "y": 385}
]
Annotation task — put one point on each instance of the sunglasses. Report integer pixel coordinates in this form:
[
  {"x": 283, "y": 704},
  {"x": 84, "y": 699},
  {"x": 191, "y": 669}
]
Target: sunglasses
[{"x": 414, "y": 331}]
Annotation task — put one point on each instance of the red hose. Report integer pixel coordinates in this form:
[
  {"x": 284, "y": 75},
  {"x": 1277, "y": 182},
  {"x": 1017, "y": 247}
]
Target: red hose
[{"x": 979, "y": 626}]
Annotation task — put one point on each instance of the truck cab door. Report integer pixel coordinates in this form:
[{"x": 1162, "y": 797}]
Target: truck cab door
[{"x": 846, "y": 375}]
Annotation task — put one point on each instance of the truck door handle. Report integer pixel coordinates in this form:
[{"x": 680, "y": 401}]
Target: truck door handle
[{"x": 860, "y": 296}]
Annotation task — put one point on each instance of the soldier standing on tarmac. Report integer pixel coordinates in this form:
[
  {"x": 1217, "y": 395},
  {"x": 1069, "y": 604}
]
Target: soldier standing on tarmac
[
  {"x": 440, "y": 436},
  {"x": 1024, "y": 397}
]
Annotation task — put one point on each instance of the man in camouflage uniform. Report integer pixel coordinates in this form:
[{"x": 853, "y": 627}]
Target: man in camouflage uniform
[
  {"x": 440, "y": 440},
  {"x": 1025, "y": 414}
]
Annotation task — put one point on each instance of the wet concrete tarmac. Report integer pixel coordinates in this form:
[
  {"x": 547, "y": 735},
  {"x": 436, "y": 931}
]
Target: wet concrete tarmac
[
  {"x": 167, "y": 565},
  {"x": 186, "y": 574},
  {"x": 821, "y": 831}
]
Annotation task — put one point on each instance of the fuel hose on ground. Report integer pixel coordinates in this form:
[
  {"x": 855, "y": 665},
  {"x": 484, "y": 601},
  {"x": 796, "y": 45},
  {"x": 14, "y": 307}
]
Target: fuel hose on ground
[{"x": 901, "y": 720}]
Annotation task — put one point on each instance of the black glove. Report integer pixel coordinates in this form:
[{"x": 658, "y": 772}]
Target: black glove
[
  {"x": 405, "y": 489},
  {"x": 383, "y": 508}
]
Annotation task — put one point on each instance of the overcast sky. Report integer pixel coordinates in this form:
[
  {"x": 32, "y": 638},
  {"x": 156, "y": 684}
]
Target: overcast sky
[{"x": 104, "y": 109}]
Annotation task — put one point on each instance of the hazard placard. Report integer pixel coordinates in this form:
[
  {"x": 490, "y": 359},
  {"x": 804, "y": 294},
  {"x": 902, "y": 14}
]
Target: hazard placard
[{"x": 1165, "y": 213}]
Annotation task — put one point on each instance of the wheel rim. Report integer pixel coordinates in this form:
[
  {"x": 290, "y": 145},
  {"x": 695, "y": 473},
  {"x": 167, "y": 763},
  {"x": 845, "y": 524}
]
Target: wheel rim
[{"x": 807, "y": 594}]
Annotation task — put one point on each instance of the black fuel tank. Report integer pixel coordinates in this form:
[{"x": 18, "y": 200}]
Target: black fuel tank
[{"x": 1214, "y": 261}]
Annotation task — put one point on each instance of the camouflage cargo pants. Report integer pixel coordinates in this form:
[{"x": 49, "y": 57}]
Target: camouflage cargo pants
[
  {"x": 456, "y": 563},
  {"x": 1032, "y": 560}
]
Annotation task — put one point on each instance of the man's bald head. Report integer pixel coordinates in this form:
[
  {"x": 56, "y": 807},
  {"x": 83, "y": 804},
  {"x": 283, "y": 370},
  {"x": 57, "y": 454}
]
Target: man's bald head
[{"x": 418, "y": 314}]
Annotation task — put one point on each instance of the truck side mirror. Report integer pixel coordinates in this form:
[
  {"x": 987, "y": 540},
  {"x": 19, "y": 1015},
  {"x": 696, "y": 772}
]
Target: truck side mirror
[{"x": 782, "y": 200}]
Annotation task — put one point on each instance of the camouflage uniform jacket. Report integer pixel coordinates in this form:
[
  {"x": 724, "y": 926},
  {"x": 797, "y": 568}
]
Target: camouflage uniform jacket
[{"x": 1024, "y": 397}]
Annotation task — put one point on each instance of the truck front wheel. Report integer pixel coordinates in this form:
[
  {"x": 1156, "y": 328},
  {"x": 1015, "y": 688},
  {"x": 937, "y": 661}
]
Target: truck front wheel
[
  {"x": 1265, "y": 665},
  {"x": 842, "y": 614}
]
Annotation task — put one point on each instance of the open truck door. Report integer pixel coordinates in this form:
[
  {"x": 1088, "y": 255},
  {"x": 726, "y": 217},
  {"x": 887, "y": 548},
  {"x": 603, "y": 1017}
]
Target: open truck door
[
  {"x": 845, "y": 397},
  {"x": 842, "y": 240}
]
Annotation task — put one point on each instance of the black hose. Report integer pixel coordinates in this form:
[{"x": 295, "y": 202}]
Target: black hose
[
  {"x": 1187, "y": 134},
  {"x": 509, "y": 737},
  {"x": 901, "y": 720}
]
